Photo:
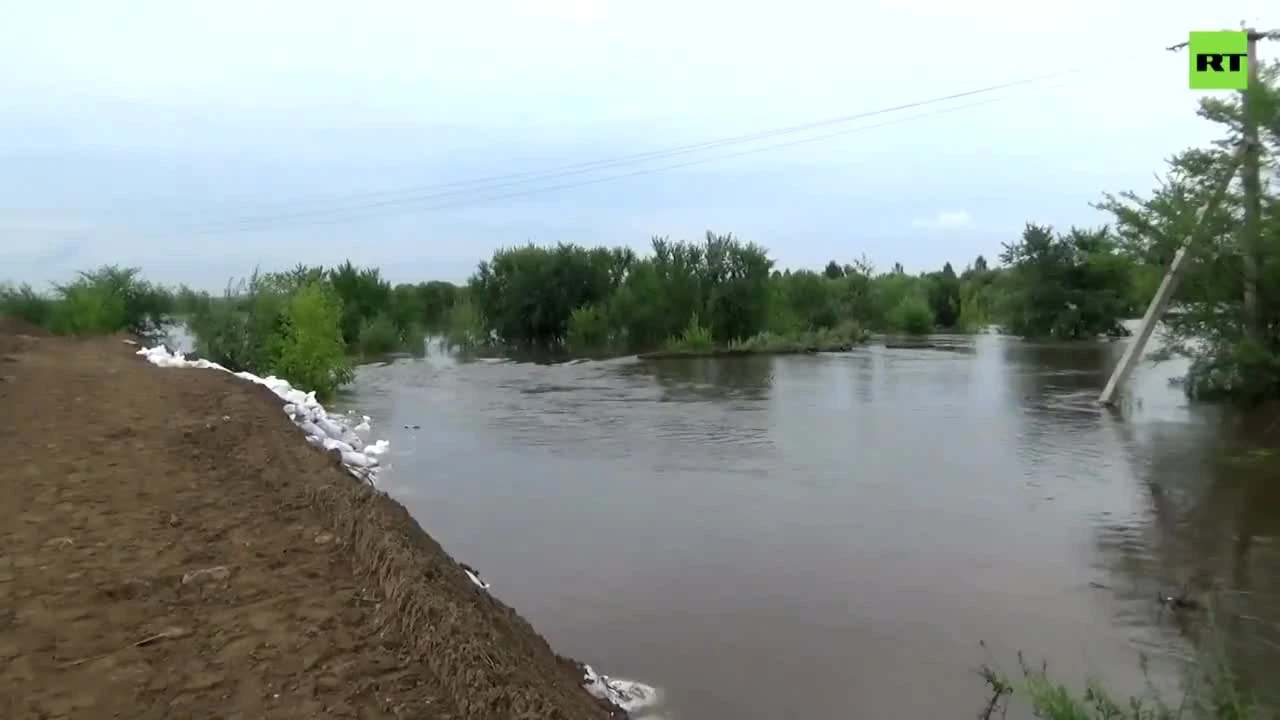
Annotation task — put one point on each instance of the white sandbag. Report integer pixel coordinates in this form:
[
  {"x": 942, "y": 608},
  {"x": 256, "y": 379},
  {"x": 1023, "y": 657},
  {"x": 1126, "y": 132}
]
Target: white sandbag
[
  {"x": 330, "y": 428},
  {"x": 313, "y": 430},
  {"x": 377, "y": 448},
  {"x": 351, "y": 438},
  {"x": 476, "y": 579},
  {"x": 355, "y": 459},
  {"x": 278, "y": 386},
  {"x": 331, "y": 444},
  {"x": 290, "y": 409},
  {"x": 628, "y": 695}
]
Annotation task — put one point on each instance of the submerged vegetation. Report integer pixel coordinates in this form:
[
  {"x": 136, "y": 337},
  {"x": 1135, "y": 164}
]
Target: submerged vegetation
[
  {"x": 718, "y": 296},
  {"x": 1208, "y": 688}
]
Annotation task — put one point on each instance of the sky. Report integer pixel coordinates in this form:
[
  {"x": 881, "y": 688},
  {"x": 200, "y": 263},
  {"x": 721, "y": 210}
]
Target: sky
[{"x": 199, "y": 140}]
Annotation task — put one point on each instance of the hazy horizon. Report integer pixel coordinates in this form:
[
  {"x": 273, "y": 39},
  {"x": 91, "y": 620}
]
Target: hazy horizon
[{"x": 126, "y": 126}]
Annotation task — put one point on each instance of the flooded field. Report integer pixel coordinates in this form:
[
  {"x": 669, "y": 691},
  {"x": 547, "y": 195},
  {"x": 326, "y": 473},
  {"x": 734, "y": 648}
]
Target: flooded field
[{"x": 834, "y": 536}]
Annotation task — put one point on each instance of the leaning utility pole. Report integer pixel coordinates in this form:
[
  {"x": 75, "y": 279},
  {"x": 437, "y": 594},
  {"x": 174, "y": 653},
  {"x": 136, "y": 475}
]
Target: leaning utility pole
[
  {"x": 1247, "y": 160},
  {"x": 1251, "y": 185},
  {"x": 1155, "y": 310}
]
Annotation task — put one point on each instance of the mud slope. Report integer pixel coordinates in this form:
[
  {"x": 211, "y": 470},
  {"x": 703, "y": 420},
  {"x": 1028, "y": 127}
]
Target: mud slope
[{"x": 170, "y": 547}]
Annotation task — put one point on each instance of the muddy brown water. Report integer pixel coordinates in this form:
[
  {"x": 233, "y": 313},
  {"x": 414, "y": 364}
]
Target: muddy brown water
[{"x": 835, "y": 536}]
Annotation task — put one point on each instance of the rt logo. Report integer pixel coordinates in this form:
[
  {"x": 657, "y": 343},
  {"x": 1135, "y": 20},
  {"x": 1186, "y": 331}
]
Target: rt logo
[{"x": 1219, "y": 60}]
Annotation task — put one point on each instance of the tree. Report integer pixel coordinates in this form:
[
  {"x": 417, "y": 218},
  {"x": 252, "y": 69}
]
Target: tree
[
  {"x": 1227, "y": 361},
  {"x": 363, "y": 292},
  {"x": 1069, "y": 286},
  {"x": 944, "y": 296}
]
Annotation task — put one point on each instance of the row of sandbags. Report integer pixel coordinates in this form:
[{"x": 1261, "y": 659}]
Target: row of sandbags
[{"x": 322, "y": 430}]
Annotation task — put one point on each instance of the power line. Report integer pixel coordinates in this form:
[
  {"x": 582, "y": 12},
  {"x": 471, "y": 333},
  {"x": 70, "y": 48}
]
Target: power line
[
  {"x": 1257, "y": 34},
  {"x": 280, "y": 211},
  {"x": 414, "y": 204}
]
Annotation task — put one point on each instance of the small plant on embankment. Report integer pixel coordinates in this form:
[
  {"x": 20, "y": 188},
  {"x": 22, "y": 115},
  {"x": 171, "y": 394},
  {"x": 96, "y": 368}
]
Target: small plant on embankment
[
  {"x": 1209, "y": 690},
  {"x": 25, "y": 303},
  {"x": 312, "y": 354},
  {"x": 107, "y": 300}
]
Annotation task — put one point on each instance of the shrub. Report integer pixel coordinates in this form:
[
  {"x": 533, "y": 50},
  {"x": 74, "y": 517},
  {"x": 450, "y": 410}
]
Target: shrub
[
  {"x": 588, "y": 329},
  {"x": 465, "y": 326},
  {"x": 145, "y": 304},
  {"x": 243, "y": 329},
  {"x": 312, "y": 354},
  {"x": 696, "y": 337},
  {"x": 911, "y": 315},
  {"x": 87, "y": 308},
  {"x": 24, "y": 303},
  {"x": 97, "y": 302},
  {"x": 378, "y": 336}
]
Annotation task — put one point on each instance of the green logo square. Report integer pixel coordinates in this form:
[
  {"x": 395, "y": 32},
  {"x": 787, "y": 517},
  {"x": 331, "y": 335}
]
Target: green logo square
[{"x": 1219, "y": 60}]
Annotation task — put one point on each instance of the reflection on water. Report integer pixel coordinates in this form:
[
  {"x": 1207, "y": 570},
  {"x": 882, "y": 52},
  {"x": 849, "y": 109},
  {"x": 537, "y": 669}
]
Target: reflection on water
[{"x": 832, "y": 536}]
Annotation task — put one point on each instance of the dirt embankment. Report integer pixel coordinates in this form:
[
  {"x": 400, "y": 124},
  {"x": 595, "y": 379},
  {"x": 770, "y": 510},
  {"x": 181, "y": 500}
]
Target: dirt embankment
[{"x": 170, "y": 547}]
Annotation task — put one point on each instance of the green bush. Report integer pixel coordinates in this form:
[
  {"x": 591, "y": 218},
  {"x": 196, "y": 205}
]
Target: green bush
[
  {"x": 312, "y": 354},
  {"x": 588, "y": 329},
  {"x": 88, "y": 308},
  {"x": 288, "y": 325},
  {"x": 911, "y": 315},
  {"x": 379, "y": 336},
  {"x": 974, "y": 313},
  {"x": 97, "y": 302},
  {"x": 243, "y": 329},
  {"x": 24, "y": 303},
  {"x": 221, "y": 333},
  {"x": 695, "y": 338},
  {"x": 465, "y": 329},
  {"x": 1209, "y": 690}
]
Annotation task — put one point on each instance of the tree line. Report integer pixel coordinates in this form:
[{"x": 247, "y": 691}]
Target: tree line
[{"x": 308, "y": 323}]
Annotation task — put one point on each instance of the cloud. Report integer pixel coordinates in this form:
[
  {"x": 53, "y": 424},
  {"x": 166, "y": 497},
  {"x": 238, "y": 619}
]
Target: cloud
[{"x": 945, "y": 219}]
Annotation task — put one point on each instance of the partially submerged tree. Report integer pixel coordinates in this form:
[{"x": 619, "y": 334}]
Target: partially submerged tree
[
  {"x": 1069, "y": 286},
  {"x": 1231, "y": 356}
]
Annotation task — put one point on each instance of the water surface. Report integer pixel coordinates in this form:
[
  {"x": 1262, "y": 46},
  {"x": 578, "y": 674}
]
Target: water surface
[{"x": 833, "y": 536}]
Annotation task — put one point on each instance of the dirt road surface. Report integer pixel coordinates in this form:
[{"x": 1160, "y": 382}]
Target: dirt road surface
[{"x": 171, "y": 548}]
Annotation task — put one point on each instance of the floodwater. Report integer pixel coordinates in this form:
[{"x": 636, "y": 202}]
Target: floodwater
[{"x": 837, "y": 536}]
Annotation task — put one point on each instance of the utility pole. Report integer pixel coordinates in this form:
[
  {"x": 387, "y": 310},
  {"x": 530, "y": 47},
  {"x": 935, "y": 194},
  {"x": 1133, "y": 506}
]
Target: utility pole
[
  {"x": 1251, "y": 184},
  {"x": 1155, "y": 310},
  {"x": 1247, "y": 159}
]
